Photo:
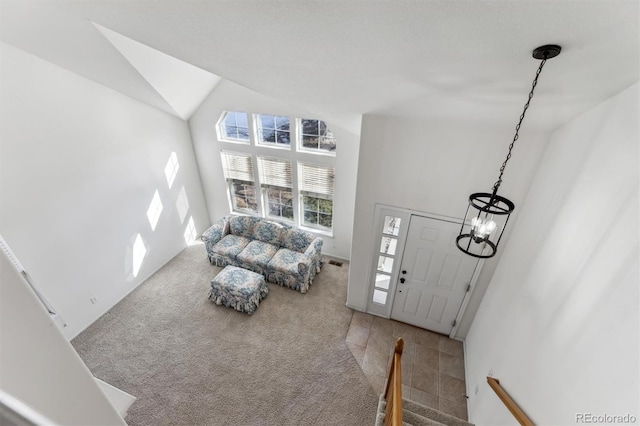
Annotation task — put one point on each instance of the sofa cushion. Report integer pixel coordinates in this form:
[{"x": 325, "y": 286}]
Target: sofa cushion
[
  {"x": 258, "y": 253},
  {"x": 296, "y": 239},
  {"x": 269, "y": 232},
  {"x": 290, "y": 262},
  {"x": 243, "y": 225},
  {"x": 231, "y": 245}
]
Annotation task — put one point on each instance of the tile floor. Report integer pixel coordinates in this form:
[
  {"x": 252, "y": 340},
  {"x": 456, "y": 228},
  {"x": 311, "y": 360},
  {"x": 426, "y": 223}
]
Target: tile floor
[{"x": 432, "y": 364}]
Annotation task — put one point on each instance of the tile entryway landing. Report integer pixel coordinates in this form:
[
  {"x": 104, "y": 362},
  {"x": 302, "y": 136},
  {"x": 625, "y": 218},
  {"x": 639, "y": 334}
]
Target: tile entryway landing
[{"x": 432, "y": 364}]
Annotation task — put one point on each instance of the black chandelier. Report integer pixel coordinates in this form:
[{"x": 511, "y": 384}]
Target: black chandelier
[{"x": 488, "y": 213}]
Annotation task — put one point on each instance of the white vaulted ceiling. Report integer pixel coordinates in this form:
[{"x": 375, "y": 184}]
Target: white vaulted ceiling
[
  {"x": 182, "y": 85},
  {"x": 446, "y": 59}
]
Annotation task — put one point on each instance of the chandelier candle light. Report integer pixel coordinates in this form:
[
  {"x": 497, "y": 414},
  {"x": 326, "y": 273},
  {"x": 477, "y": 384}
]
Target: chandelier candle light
[{"x": 488, "y": 213}]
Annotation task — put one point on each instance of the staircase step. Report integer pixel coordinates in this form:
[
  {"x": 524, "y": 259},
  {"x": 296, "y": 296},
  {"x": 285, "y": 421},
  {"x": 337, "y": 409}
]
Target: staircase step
[
  {"x": 433, "y": 414},
  {"x": 414, "y": 414},
  {"x": 418, "y": 420},
  {"x": 380, "y": 421}
]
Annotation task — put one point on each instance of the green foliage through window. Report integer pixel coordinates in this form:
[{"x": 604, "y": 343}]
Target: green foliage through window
[
  {"x": 318, "y": 212},
  {"x": 263, "y": 184}
]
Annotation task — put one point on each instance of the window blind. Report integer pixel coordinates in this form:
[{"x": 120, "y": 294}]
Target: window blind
[
  {"x": 237, "y": 166},
  {"x": 316, "y": 179},
  {"x": 275, "y": 172}
]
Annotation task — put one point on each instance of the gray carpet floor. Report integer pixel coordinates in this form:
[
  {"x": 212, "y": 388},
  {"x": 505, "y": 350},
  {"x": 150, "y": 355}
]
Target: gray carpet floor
[{"x": 191, "y": 362}]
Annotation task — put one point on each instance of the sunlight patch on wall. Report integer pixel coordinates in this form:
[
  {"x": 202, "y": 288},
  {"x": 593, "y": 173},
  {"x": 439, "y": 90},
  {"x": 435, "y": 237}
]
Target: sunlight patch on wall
[
  {"x": 139, "y": 252},
  {"x": 182, "y": 204},
  {"x": 154, "y": 211},
  {"x": 190, "y": 233},
  {"x": 171, "y": 169}
]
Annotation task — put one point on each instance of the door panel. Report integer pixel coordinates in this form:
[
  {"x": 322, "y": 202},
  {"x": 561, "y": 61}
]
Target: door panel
[
  {"x": 449, "y": 272},
  {"x": 422, "y": 265},
  {"x": 430, "y": 234},
  {"x": 437, "y": 308},
  {"x": 412, "y": 302},
  {"x": 436, "y": 275}
]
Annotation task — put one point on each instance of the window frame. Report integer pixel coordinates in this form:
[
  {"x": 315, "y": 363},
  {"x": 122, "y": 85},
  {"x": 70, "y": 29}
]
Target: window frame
[
  {"x": 258, "y": 193},
  {"x": 399, "y": 233},
  {"x": 279, "y": 184},
  {"x": 222, "y": 133},
  {"x": 267, "y": 205},
  {"x": 234, "y": 196},
  {"x": 312, "y": 187},
  {"x": 235, "y": 177},
  {"x": 257, "y": 125},
  {"x": 300, "y": 139},
  {"x": 315, "y": 226}
]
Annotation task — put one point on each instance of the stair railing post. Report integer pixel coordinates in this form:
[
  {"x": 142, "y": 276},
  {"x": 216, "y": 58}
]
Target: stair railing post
[{"x": 393, "y": 390}]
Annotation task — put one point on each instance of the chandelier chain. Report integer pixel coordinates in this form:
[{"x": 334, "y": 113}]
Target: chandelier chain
[{"x": 515, "y": 137}]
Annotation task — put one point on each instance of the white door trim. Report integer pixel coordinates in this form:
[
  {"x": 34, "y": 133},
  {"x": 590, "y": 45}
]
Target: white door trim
[
  {"x": 474, "y": 279},
  {"x": 421, "y": 213},
  {"x": 379, "y": 213},
  {"x": 467, "y": 296}
]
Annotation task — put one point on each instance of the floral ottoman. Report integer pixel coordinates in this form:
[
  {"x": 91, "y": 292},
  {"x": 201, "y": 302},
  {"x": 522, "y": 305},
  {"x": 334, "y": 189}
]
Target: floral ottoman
[{"x": 238, "y": 288}]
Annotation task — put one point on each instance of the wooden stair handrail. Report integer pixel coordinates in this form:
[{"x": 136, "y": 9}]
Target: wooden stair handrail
[
  {"x": 511, "y": 405},
  {"x": 393, "y": 391}
]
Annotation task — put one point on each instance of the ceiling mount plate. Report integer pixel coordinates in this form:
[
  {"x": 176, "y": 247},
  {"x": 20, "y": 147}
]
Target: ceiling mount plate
[{"x": 547, "y": 51}]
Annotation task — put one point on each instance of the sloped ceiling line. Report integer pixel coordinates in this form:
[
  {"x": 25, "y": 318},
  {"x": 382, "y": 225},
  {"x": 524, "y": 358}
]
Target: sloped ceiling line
[{"x": 182, "y": 85}]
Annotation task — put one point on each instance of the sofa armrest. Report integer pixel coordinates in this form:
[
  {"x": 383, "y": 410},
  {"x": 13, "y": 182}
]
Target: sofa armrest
[
  {"x": 215, "y": 233},
  {"x": 304, "y": 266},
  {"x": 314, "y": 250}
]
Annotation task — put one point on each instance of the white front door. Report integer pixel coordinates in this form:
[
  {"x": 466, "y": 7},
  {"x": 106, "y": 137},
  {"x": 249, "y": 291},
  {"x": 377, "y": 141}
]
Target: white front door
[{"x": 434, "y": 276}]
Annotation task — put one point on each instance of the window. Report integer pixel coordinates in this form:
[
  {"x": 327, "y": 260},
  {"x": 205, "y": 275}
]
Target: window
[
  {"x": 238, "y": 171},
  {"x": 234, "y": 126},
  {"x": 286, "y": 186},
  {"x": 386, "y": 256},
  {"x": 312, "y": 136},
  {"x": 276, "y": 183},
  {"x": 316, "y": 189},
  {"x": 273, "y": 130},
  {"x": 315, "y": 136}
]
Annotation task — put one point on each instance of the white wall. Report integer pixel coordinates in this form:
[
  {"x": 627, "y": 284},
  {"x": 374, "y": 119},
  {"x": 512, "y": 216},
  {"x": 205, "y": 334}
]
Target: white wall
[
  {"x": 80, "y": 164},
  {"x": 433, "y": 167},
  {"x": 559, "y": 322},
  {"x": 38, "y": 366},
  {"x": 228, "y": 96}
]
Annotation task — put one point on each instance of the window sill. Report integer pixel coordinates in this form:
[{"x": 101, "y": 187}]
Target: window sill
[
  {"x": 317, "y": 152},
  {"x": 281, "y": 220},
  {"x": 320, "y": 232},
  {"x": 328, "y": 233},
  {"x": 239, "y": 142},
  {"x": 245, "y": 213},
  {"x": 281, "y": 147}
]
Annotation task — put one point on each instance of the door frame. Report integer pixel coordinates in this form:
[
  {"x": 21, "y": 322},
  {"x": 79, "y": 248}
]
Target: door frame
[
  {"x": 380, "y": 212},
  {"x": 402, "y": 240}
]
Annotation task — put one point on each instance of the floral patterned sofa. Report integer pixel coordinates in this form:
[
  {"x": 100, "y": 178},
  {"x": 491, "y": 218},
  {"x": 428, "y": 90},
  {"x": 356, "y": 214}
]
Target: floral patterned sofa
[{"x": 285, "y": 255}]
